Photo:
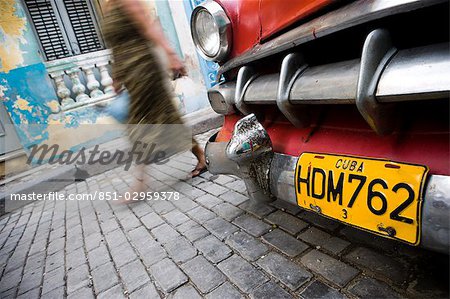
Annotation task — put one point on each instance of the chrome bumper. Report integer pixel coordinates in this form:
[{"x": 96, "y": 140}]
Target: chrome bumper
[
  {"x": 269, "y": 175},
  {"x": 375, "y": 82}
]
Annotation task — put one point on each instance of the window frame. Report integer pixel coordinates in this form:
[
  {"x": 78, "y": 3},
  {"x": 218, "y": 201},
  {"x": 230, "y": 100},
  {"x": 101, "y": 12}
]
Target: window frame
[{"x": 65, "y": 26}]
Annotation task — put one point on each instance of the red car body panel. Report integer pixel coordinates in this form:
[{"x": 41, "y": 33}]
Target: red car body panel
[
  {"x": 255, "y": 20},
  {"x": 276, "y": 16},
  {"x": 424, "y": 144}
]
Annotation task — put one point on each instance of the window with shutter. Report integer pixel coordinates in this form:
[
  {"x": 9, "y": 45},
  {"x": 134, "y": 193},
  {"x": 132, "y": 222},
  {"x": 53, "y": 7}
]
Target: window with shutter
[{"x": 65, "y": 27}]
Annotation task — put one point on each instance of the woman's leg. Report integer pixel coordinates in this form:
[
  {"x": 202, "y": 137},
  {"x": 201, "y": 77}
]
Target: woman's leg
[{"x": 201, "y": 160}]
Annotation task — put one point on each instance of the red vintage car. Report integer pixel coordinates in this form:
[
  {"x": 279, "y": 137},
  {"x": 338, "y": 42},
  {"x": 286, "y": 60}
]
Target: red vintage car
[{"x": 339, "y": 107}]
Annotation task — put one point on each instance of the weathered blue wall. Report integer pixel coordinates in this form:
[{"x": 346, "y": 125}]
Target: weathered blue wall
[{"x": 25, "y": 87}]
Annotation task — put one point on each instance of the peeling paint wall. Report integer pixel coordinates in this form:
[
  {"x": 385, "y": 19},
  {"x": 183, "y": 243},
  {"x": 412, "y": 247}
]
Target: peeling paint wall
[
  {"x": 27, "y": 92},
  {"x": 18, "y": 46}
]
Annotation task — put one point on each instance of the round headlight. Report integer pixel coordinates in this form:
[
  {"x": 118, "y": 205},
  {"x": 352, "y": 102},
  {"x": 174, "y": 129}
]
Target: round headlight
[{"x": 211, "y": 31}]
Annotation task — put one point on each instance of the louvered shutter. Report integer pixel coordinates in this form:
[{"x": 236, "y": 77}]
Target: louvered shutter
[
  {"x": 47, "y": 29},
  {"x": 83, "y": 26}
]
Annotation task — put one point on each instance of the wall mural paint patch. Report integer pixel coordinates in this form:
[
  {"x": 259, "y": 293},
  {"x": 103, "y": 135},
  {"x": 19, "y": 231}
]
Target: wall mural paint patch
[{"x": 12, "y": 28}]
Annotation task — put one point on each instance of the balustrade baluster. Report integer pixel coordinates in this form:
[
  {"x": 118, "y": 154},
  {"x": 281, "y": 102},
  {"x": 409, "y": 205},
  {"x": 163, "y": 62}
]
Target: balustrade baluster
[
  {"x": 61, "y": 89},
  {"x": 77, "y": 88},
  {"x": 91, "y": 82},
  {"x": 105, "y": 78}
]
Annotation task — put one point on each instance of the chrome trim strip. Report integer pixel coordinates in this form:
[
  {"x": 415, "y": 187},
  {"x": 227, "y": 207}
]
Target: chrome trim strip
[
  {"x": 331, "y": 83},
  {"x": 436, "y": 207},
  {"x": 418, "y": 73},
  {"x": 292, "y": 67},
  {"x": 377, "y": 52},
  {"x": 245, "y": 76},
  {"x": 353, "y": 14}
]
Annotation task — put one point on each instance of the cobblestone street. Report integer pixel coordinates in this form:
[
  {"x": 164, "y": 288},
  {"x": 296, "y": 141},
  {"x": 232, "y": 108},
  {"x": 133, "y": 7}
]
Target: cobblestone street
[{"x": 211, "y": 242}]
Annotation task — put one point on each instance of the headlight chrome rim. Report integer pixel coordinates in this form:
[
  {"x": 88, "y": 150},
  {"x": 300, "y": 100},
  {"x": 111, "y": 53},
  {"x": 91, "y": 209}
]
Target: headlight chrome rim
[{"x": 224, "y": 29}]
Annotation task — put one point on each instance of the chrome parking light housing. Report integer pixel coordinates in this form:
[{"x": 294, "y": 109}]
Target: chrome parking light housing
[{"x": 211, "y": 31}]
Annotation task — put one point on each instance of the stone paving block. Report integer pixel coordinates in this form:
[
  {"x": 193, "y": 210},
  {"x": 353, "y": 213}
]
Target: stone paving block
[
  {"x": 168, "y": 275},
  {"x": 165, "y": 233},
  {"x": 115, "y": 238},
  {"x": 213, "y": 249},
  {"x": 233, "y": 197},
  {"x": 11, "y": 280},
  {"x": 108, "y": 224},
  {"x": 225, "y": 291},
  {"x": 184, "y": 292},
  {"x": 184, "y": 204},
  {"x": 180, "y": 250},
  {"x": 54, "y": 261},
  {"x": 57, "y": 293},
  {"x": 31, "y": 294},
  {"x": 320, "y": 221},
  {"x": 53, "y": 279},
  {"x": 55, "y": 246},
  {"x": 314, "y": 236},
  {"x": 104, "y": 277},
  {"x": 367, "y": 287},
  {"x": 220, "y": 228},
  {"x": 319, "y": 290},
  {"x": 270, "y": 290},
  {"x": 9, "y": 294},
  {"x": 238, "y": 186},
  {"x": 335, "y": 245},
  {"x": 152, "y": 253},
  {"x": 134, "y": 275},
  {"x": 115, "y": 292},
  {"x": 140, "y": 236},
  {"x": 227, "y": 211},
  {"x": 162, "y": 206},
  {"x": 93, "y": 241},
  {"x": 287, "y": 206},
  {"x": 98, "y": 256},
  {"x": 141, "y": 209},
  {"x": 75, "y": 258},
  {"x": 175, "y": 218},
  {"x": 289, "y": 273},
  {"x": 330, "y": 268},
  {"x": 123, "y": 254},
  {"x": 247, "y": 246},
  {"x": 152, "y": 220},
  {"x": 212, "y": 188},
  {"x": 359, "y": 236},
  {"x": 222, "y": 179},
  {"x": 285, "y": 242},
  {"x": 257, "y": 209},
  {"x": 130, "y": 222},
  {"x": 77, "y": 278},
  {"x": 203, "y": 274},
  {"x": 289, "y": 223},
  {"x": 252, "y": 225},
  {"x": 192, "y": 230},
  {"x": 379, "y": 263},
  {"x": 201, "y": 214},
  {"x": 245, "y": 276},
  {"x": 148, "y": 291},
  {"x": 208, "y": 201},
  {"x": 84, "y": 292},
  {"x": 35, "y": 261}
]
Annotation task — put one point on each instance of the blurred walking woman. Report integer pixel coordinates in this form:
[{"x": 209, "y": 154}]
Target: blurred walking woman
[{"x": 132, "y": 35}]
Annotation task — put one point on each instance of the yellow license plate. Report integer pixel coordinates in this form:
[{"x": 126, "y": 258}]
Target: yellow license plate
[{"x": 380, "y": 196}]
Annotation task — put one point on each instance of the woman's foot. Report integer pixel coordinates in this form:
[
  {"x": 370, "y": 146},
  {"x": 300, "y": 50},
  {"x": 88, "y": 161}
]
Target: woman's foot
[{"x": 199, "y": 169}]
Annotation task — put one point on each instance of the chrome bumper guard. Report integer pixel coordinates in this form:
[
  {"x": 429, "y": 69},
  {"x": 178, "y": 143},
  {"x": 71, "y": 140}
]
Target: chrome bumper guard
[
  {"x": 270, "y": 175},
  {"x": 382, "y": 77}
]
